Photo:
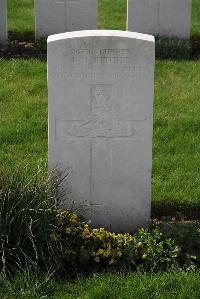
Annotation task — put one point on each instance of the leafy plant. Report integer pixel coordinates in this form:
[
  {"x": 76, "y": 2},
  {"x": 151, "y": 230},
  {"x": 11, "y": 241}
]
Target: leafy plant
[{"x": 187, "y": 236}]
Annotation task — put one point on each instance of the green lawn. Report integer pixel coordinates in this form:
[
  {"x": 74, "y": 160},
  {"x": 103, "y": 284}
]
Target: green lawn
[
  {"x": 134, "y": 286},
  {"x": 177, "y": 285},
  {"x": 23, "y": 113},
  {"x": 112, "y": 15},
  {"x": 176, "y": 152}
]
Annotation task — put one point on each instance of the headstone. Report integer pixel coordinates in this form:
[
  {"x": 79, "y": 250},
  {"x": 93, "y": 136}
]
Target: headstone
[
  {"x": 56, "y": 16},
  {"x": 3, "y": 22},
  {"x": 166, "y": 18},
  {"x": 100, "y": 87}
]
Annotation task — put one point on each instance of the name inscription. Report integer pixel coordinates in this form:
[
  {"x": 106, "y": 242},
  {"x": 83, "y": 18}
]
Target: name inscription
[{"x": 101, "y": 56}]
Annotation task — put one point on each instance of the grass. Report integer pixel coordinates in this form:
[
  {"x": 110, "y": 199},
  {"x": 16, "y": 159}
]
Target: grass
[
  {"x": 112, "y": 15},
  {"x": 195, "y": 28},
  {"x": 23, "y": 106},
  {"x": 179, "y": 285},
  {"x": 176, "y": 152},
  {"x": 21, "y": 19}
]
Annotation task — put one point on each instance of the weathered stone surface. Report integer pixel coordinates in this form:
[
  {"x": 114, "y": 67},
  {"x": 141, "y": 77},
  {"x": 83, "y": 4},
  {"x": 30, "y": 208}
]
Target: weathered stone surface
[
  {"x": 3, "y": 22},
  {"x": 100, "y": 122},
  {"x": 56, "y": 16},
  {"x": 166, "y": 18}
]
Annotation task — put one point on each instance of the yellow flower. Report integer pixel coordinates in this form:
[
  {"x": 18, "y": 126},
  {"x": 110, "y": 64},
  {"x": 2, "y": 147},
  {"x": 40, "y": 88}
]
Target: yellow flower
[
  {"x": 73, "y": 217},
  {"x": 100, "y": 251},
  {"x": 119, "y": 253},
  {"x": 119, "y": 235},
  {"x": 54, "y": 237},
  {"x": 107, "y": 253},
  {"x": 144, "y": 256},
  {"x": 86, "y": 232},
  {"x": 68, "y": 230}
]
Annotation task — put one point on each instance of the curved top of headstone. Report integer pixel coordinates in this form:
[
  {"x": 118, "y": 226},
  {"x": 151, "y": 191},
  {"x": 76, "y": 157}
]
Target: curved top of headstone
[{"x": 107, "y": 33}]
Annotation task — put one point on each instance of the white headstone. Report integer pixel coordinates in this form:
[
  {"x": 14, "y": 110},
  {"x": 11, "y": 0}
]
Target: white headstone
[
  {"x": 100, "y": 122},
  {"x": 3, "y": 22},
  {"x": 166, "y": 18},
  {"x": 56, "y": 16}
]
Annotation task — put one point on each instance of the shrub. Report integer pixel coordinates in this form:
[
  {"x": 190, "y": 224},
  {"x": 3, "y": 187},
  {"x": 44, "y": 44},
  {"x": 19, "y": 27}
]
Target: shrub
[
  {"x": 86, "y": 249},
  {"x": 26, "y": 221},
  {"x": 187, "y": 236}
]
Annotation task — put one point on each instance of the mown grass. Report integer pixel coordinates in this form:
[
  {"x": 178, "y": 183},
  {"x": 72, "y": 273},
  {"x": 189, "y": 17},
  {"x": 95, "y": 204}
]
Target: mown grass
[
  {"x": 179, "y": 285},
  {"x": 23, "y": 110},
  {"x": 21, "y": 21},
  {"x": 112, "y": 15},
  {"x": 195, "y": 28},
  {"x": 176, "y": 151}
]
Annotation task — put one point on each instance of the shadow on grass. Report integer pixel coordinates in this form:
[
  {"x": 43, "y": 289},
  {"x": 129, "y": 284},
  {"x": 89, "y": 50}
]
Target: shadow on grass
[
  {"x": 169, "y": 208},
  {"x": 26, "y": 36},
  {"x": 173, "y": 48},
  {"x": 196, "y": 47}
]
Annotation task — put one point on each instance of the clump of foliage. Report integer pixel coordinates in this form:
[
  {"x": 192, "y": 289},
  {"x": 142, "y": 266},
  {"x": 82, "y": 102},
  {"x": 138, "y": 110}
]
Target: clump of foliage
[
  {"x": 187, "y": 237},
  {"x": 150, "y": 249},
  {"x": 36, "y": 232},
  {"x": 26, "y": 221}
]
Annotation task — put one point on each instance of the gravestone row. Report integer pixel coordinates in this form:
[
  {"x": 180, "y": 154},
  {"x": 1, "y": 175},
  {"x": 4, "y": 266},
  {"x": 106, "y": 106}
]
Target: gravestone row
[
  {"x": 100, "y": 123},
  {"x": 3, "y": 22},
  {"x": 56, "y": 16},
  {"x": 167, "y": 18}
]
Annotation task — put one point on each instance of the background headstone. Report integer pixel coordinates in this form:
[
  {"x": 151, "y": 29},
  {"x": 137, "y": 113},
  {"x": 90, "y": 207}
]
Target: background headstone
[
  {"x": 166, "y": 18},
  {"x": 3, "y": 22},
  {"x": 100, "y": 122},
  {"x": 56, "y": 16}
]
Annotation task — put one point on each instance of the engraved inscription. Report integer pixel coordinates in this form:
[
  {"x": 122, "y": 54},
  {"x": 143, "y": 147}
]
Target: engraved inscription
[
  {"x": 98, "y": 75},
  {"x": 101, "y": 56},
  {"x": 102, "y": 122},
  {"x": 64, "y": 1},
  {"x": 59, "y": 1}
]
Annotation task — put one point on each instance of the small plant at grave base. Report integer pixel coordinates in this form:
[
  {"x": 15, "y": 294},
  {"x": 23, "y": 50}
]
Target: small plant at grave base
[
  {"x": 187, "y": 236},
  {"x": 86, "y": 249},
  {"x": 36, "y": 232}
]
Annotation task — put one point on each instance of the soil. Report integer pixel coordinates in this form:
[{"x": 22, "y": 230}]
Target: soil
[{"x": 19, "y": 49}]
